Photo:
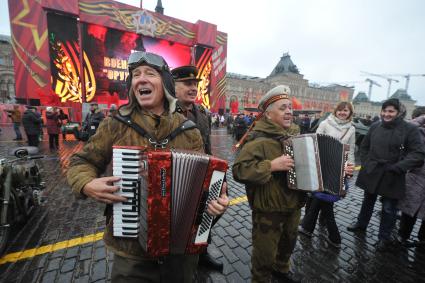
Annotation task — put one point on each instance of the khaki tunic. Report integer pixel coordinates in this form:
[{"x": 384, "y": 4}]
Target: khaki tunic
[
  {"x": 276, "y": 209},
  {"x": 94, "y": 158},
  {"x": 267, "y": 191}
]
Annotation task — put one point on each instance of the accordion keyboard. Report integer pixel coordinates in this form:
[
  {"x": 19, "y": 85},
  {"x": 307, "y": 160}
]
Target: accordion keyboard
[
  {"x": 204, "y": 228},
  {"x": 291, "y": 175},
  {"x": 127, "y": 165}
]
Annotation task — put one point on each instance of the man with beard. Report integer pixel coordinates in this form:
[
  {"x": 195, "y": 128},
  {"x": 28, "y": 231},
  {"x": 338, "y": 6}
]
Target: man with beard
[
  {"x": 390, "y": 149},
  {"x": 151, "y": 107}
]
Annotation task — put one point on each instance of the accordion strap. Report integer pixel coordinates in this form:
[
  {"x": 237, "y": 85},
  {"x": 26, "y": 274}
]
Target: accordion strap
[{"x": 186, "y": 125}]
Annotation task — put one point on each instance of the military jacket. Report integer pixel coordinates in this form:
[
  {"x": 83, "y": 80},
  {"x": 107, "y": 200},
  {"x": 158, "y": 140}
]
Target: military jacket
[
  {"x": 267, "y": 191},
  {"x": 95, "y": 156},
  {"x": 200, "y": 117}
]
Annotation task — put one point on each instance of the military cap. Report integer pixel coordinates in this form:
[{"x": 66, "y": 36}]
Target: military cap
[
  {"x": 185, "y": 73},
  {"x": 275, "y": 94}
]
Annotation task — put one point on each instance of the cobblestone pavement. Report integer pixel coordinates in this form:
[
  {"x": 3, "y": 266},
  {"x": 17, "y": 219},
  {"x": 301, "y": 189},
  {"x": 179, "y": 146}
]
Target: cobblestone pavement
[{"x": 55, "y": 234}]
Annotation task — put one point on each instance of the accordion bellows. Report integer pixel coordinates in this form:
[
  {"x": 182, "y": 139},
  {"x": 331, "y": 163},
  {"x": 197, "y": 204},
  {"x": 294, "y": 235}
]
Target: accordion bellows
[
  {"x": 168, "y": 193},
  {"x": 319, "y": 163}
]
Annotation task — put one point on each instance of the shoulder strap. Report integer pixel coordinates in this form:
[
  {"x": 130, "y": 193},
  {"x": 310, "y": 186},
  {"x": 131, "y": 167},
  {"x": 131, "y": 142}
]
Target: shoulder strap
[
  {"x": 186, "y": 125},
  {"x": 127, "y": 120},
  {"x": 344, "y": 134}
]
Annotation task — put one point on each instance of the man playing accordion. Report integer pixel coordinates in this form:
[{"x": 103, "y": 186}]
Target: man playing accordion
[
  {"x": 276, "y": 209},
  {"x": 151, "y": 106}
]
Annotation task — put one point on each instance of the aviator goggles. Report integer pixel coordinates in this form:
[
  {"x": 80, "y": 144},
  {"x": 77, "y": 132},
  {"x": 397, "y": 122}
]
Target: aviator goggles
[{"x": 139, "y": 57}]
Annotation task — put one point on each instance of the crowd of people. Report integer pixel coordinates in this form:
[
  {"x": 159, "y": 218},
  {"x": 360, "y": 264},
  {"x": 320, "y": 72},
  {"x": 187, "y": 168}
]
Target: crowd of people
[{"x": 161, "y": 101}]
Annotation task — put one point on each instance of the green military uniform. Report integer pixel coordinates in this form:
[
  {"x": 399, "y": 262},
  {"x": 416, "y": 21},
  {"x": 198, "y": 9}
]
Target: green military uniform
[
  {"x": 198, "y": 114},
  {"x": 276, "y": 210},
  {"x": 92, "y": 161}
]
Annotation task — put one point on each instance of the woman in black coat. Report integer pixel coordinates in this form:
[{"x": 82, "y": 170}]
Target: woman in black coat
[{"x": 390, "y": 148}]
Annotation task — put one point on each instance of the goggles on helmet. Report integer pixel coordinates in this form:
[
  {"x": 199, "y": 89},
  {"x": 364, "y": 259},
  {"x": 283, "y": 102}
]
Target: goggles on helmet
[{"x": 139, "y": 57}]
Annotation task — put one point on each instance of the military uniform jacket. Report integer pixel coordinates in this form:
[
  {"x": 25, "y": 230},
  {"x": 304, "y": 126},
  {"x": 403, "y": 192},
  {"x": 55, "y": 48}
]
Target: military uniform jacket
[
  {"x": 199, "y": 116},
  {"x": 267, "y": 191},
  {"x": 95, "y": 156}
]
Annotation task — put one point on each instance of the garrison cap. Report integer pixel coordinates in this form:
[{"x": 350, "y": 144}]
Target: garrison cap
[
  {"x": 275, "y": 94},
  {"x": 185, "y": 73}
]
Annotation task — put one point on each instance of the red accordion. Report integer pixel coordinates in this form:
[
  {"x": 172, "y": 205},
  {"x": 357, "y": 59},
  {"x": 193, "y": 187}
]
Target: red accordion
[{"x": 167, "y": 197}]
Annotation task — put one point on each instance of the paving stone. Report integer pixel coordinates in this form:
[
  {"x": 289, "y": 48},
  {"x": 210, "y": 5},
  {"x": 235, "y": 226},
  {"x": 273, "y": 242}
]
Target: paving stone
[
  {"x": 234, "y": 278},
  {"x": 98, "y": 270},
  {"x": 68, "y": 264},
  {"x": 83, "y": 267},
  {"x": 228, "y": 253},
  {"x": 230, "y": 242},
  {"x": 242, "y": 241},
  {"x": 86, "y": 253},
  {"x": 49, "y": 276},
  {"x": 72, "y": 252},
  {"x": 231, "y": 231},
  {"x": 65, "y": 277},
  {"x": 242, "y": 254},
  {"x": 99, "y": 253},
  {"x": 54, "y": 264},
  {"x": 32, "y": 276},
  {"x": 83, "y": 279}
]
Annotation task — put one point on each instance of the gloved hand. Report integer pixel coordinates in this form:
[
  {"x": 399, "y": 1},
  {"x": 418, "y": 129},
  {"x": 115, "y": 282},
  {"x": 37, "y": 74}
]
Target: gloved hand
[{"x": 393, "y": 168}]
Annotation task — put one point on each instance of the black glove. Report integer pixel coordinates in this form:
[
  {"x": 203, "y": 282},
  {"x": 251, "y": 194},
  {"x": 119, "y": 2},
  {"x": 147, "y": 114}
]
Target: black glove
[{"x": 392, "y": 168}]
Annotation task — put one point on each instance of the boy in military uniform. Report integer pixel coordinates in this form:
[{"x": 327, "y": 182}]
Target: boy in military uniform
[
  {"x": 276, "y": 209},
  {"x": 151, "y": 106},
  {"x": 186, "y": 80}
]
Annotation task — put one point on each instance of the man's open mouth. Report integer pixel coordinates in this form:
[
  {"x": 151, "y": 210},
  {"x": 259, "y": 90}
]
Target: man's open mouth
[{"x": 145, "y": 91}]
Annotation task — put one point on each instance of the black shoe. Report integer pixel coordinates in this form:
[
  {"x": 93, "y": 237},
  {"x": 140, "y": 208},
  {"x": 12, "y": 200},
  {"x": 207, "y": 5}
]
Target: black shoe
[
  {"x": 303, "y": 231},
  {"x": 402, "y": 241},
  {"x": 206, "y": 260},
  {"x": 289, "y": 277},
  {"x": 336, "y": 245},
  {"x": 356, "y": 228},
  {"x": 384, "y": 245}
]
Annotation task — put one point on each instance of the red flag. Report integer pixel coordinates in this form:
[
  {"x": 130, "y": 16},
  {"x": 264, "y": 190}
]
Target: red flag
[{"x": 296, "y": 104}]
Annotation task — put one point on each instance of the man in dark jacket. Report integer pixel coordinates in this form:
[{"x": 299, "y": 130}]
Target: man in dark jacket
[
  {"x": 186, "y": 81},
  {"x": 240, "y": 126},
  {"x": 32, "y": 125},
  {"x": 93, "y": 119},
  {"x": 390, "y": 149}
]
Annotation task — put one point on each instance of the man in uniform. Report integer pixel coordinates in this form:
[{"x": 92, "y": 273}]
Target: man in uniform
[
  {"x": 276, "y": 210},
  {"x": 151, "y": 107},
  {"x": 186, "y": 81}
]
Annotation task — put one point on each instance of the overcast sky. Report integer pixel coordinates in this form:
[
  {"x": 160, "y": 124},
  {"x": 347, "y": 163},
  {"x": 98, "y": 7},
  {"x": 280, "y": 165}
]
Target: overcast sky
[{"x": 329, "y": 40}]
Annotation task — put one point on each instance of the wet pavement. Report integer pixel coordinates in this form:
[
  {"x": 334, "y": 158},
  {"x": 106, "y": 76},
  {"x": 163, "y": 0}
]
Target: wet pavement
[{"x": 61, "y": 242}]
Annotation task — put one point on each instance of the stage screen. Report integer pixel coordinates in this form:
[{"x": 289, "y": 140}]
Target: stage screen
[
  {"x": 64, "y": 53},
  {"x": 107, "y": 51}
]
